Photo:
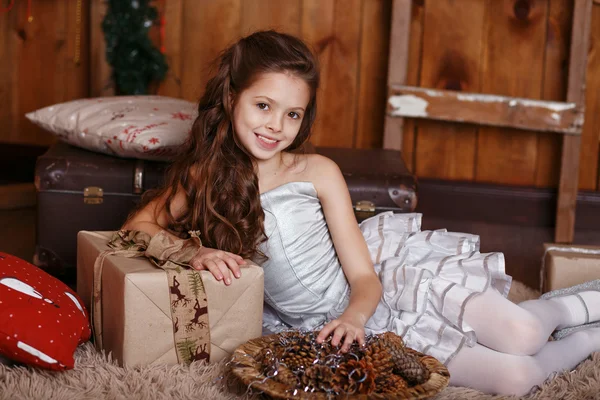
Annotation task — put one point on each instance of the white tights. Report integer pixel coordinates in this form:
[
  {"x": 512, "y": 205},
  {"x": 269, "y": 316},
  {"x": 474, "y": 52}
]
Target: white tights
[{"x": 513, "y": 353}]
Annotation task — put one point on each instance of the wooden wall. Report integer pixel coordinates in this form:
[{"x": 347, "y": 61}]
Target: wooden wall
[
  {"x": 508, "y": 47},
  {"x": 37, "y": 64},
  {"x": 350, "y": 37}
]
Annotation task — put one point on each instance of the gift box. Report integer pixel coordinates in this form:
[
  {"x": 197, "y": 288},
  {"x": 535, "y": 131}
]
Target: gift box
[
  {"x": 137, "y": 326},
  {"x": 567, "y": 265}
]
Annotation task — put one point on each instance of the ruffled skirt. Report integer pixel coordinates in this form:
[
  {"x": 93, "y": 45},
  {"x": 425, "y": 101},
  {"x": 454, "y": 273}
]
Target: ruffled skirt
[{"x": 428, "y": 278}]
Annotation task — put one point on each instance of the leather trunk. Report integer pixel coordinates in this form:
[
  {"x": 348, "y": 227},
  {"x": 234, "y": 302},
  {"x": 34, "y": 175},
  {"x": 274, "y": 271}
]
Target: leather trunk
[
  {"x": 82, "y": 190},
  {"x": 377, "y": 179}
]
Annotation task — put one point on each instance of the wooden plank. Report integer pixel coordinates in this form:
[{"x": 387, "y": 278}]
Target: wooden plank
[
  {"x": 554, "y": 87},
  {"x": 317, "y": 31},
  {"x": 17, "y": 195},
  {"x": 413, "y": 78},
  {"x": 452, "y": 47},
  {"x": 9, "y": 44},
  {"x": 171, "y": 85},
  {"x": 101, "y": 83},
  {"x": 45, "y": 71},
  {"x": 59, "y": 55},
  {"x": 338, "y": 101},
  {"x": 155, "y": 34},
  {"x": 374, "y": 45},
  {"x": 40, "y": 78},
  {"x": 567, "y": 190},
  {"x": 77, "y": 60},
  {"x": 71, "y": 55},
  {"x": 397, "y": 66},
  {"x": 513, "y": 66},
  {"x": 282, "y": 16},
  {"x": 485, "y": 109},
  {"x": 588, "y": 155},
  {"x": 208, "y": 28}
]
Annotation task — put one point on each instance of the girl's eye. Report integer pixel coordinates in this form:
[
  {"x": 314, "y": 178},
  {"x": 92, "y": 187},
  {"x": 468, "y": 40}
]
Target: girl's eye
[
  {"x": 263, "y": 106},
  {"x": 294, "y": 115}
]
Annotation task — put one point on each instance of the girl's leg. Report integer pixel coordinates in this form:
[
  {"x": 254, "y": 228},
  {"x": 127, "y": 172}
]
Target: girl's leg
[
  {"x": 514, "y": 329},
  {"x": 490, "y": 371}
]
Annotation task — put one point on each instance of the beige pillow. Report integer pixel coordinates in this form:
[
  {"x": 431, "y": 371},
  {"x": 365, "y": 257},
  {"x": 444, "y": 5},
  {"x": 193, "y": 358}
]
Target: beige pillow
[{"x": 145, "y": 127}]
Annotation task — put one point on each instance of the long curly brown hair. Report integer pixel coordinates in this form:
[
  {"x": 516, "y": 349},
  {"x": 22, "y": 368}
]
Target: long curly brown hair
[{"x": 216, "y": 173}]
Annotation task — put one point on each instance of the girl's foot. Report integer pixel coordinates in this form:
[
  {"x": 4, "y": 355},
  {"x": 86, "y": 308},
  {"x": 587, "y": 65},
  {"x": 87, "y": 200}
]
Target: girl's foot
[{"x": 582, "y": 303}]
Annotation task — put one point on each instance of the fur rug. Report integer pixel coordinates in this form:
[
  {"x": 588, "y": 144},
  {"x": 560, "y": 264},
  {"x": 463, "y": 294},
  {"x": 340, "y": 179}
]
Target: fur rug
[{"x": 96, "y": 376}]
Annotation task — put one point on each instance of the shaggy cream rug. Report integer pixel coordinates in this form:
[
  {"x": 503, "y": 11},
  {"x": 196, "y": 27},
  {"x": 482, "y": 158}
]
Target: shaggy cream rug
[{"x": 96, "y": 376}]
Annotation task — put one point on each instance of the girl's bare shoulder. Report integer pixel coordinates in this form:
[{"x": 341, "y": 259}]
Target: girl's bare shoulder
[
  {"x": 315, "y": 168},
  {"x": 307, "y": 166}
]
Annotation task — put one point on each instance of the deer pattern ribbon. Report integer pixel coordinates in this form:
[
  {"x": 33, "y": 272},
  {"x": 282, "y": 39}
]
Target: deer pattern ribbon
[
  {"x": 189, "y": 310},
  {"x": 189, "y": 305}
]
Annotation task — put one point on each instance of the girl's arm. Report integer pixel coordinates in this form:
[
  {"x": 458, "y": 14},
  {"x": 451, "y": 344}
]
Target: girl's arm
[
  {"x": 352, "y": 251},
  {"x": 153, "y": 218}
]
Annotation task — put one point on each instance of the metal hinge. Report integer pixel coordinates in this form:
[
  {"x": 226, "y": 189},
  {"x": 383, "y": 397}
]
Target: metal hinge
[
  {"x": 93, "y": 195},
  {"x": 364, "y": 209}
]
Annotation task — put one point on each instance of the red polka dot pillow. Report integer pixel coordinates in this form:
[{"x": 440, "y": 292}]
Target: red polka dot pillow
[
  {"x": 42, "y": 321},
  {"x": 144, "y": 127}
]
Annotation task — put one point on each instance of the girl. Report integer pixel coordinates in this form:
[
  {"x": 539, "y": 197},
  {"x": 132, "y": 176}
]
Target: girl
[{"x": 241, "y": 185}]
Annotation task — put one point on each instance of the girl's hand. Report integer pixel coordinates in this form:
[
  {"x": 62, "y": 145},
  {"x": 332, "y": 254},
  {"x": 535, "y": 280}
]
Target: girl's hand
[
  {"x": 350, "y": 327},
  {"x": 220, "y": 263}
]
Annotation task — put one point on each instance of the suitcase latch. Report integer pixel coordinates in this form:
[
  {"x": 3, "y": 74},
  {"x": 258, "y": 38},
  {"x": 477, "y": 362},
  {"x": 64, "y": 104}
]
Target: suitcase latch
[
  {"x": 138, "y": 177},
  {"x": 92, "y": 195},
  {"x": 364, "y": 209}
]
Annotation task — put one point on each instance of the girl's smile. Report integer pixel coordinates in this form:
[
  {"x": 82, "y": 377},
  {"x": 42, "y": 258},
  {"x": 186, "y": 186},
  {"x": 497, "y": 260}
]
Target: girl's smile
[{"x": 266, "y": 142}]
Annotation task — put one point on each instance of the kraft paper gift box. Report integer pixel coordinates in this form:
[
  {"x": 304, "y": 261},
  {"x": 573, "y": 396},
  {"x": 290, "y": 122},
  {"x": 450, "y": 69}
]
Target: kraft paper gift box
[
  {"x": 136, "y": 315},
  {"x": 568, "y": 265}
]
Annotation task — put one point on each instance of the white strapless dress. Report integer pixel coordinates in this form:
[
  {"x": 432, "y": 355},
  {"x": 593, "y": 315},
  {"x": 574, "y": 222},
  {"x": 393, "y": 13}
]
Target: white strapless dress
[{"x": 428, "y": 276}]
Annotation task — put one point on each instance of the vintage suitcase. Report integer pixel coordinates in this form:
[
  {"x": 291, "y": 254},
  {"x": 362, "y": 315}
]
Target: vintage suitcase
[
  {"x": 377, "y": 179},
  {"x": 82, "y": 190}
]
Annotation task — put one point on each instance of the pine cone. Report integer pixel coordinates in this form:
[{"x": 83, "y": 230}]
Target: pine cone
[
  {"x": 390, "y": 383},
  {"x": 317, "y": 378},
  {"x": 405, "y": 365},
  {"x": 410, "y": 368},
  {"x": 391, "y": 342},
  {"x": 341, "y": 382},
  {"x": 377, "y": 354},
  {"x": 300, "y": 356},
  {"x": 390, "y": 339},
  {"x": 355, "y": 377},
  {"x": 299, "y": 351}
]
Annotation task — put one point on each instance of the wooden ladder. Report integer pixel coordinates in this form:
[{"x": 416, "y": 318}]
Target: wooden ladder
[{"x": 564, "y": 118}]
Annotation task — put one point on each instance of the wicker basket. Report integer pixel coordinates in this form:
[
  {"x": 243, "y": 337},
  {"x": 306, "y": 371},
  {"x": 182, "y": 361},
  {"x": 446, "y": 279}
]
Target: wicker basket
[{"x": 245, "y": 366}]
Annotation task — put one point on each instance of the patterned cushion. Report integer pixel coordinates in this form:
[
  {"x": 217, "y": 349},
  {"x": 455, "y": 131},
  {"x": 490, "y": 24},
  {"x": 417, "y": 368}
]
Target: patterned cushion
[
  {"x": 145, "y": 127},
  {"x": 42, "y": 321}
]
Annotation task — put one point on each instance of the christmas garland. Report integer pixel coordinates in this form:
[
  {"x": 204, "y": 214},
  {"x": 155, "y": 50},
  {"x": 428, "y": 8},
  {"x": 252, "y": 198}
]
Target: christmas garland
[{"x": 134, "y": 59}]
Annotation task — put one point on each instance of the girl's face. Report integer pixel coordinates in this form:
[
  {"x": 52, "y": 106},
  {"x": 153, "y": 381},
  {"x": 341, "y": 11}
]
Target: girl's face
[{"x": 267, "y": 115}]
